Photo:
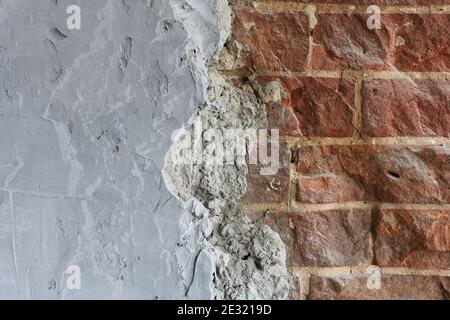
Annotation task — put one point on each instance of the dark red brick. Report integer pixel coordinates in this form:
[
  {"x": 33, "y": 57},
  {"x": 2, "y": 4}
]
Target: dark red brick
[
  {"x": 406, "y": 42},
  {"x": 276, "y": 42},
  {"x": 313, "y": 107},
  {"x": 269, "y": 188},
  {"x": 403, "y": 107},
  {"x": 324, "y": 239},
  {"x": 415, "y": 239},
  {"x": 397, "y": 174}
]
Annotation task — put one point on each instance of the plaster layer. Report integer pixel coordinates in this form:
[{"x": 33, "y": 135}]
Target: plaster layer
[
  {"x": 250, "y": 257},
  {"x": 88, "y": 176},
  {"x": 86, "y": 118}
]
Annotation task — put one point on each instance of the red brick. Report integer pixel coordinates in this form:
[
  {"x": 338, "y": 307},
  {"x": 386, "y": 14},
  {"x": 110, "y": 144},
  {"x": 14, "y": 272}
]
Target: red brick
[
  {"x": 324, "y": 239},
  {"x": 313, "y": 107},
  {"x": 392, "y": 288},
  {"x": 276, "y": 42},
  {"x": 397, "y": 174},
  {"x": 415, "y": 239},
  {"x": 404, "y": 107},
  {"x": 406, "y": 42},
  {"x": 269, "y": 188}
]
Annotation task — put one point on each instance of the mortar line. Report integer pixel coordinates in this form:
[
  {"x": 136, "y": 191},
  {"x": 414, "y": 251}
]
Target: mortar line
[
  {"x": 274, "y": 206},
  {"x": 346, "y": 74},
  {"x": 291, "y": 187},
  {"x": 372, "y": 234},
  {"x": 305, "y": 282},
  {"x": 301, "y": 207},
  {"x": 362, "y": 271},
  {"x": 397, "y": 141},
  {"x": 309, "y": 68},
  {"x": 321, "y": 8},
  {"x": 358, "y": 109},
  {"x": 361, "y": 205},
  {"x": 357, "y": 74}
]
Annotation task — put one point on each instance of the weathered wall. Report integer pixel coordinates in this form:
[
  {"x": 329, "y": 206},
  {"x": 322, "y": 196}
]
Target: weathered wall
[
  {"x": 365, "y": 124},
  {"x": 86, "y": 119},
  {"x": 92, "y": 123}
]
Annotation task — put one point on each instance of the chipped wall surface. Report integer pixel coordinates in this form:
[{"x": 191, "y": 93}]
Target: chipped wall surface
[
  {"x": 90, "y": 122},
  {"x": 86, "y": 118},
  {"x": 363, "y": 201}
]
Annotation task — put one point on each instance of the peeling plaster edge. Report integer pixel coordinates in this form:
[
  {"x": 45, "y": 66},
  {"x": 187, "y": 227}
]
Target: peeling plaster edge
[{"x": 196, "y": 222}]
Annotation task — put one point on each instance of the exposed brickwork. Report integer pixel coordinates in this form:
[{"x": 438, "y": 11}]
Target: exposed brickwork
[
  {"x": 418, "y": 239},
  {"x": 264, "y": 39},
  {"x": 406, "y": 42},
  {"x": 270, "y": 188},
  {"x": 365, "y": 119},
  {"x": 324, "y": 239},
  {"x": 395, "y": 174},
  {"x": 314, "y": 107},
  {"x": 404, "y": 107}
]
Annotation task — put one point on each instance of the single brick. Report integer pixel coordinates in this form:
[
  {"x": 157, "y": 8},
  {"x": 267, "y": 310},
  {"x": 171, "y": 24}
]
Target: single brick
[
  {"x": 324, "y": 239},
  {"x": 313, "y": 107},
  {"x": 393, "y": 287},
  {"x": 405, "y": 42},
  {"x": 402, "y": 107},
  {"x": 269, "y": 188},
  {"x": 415, "y": 239},
  {"x": 396, "y": 174},
  {"x": 275, "y": 42}
]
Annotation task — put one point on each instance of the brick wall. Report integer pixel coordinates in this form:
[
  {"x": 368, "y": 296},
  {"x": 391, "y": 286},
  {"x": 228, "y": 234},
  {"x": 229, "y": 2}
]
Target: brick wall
[{"x": 365, "y": 127}]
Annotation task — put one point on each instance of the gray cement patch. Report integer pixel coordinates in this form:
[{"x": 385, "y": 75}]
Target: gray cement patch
[
  {"x": 250, "y": 257},
  {"x": 86, "y": 119}
]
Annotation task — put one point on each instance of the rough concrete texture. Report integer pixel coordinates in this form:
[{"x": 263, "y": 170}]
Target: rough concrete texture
[
  {"x": 250, "y": 256},
  {"x": 251, "y": 262},
  {"x": 86, "y": 118},
  {"x": 193, "y": 167},
  {"x": 365, "y": 115}
]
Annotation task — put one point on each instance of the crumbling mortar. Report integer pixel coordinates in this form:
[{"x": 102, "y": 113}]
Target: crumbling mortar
[
  {"x": 271, "y": 6},
  {"x": 250, "y": 258}
]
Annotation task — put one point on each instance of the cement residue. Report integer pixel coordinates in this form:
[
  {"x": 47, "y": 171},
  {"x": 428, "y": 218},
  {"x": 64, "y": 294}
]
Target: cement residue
[
  {"x": 272, "y": 92},
  {"x": 229, "y": 57},
  {"x": 196, "y": 166},
  {"x": 251, "y": 260},
  {"x": 310, "y": 10},
  {"x": 199, "y": 171}
]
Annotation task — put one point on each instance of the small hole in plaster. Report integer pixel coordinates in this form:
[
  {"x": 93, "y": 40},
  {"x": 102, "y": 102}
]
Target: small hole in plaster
[{"x": 258, "y": 265}]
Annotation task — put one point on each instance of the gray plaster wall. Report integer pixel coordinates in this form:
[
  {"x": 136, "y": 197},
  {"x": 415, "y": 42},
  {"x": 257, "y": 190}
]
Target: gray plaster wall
[{"x": 86, "y": 119}]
